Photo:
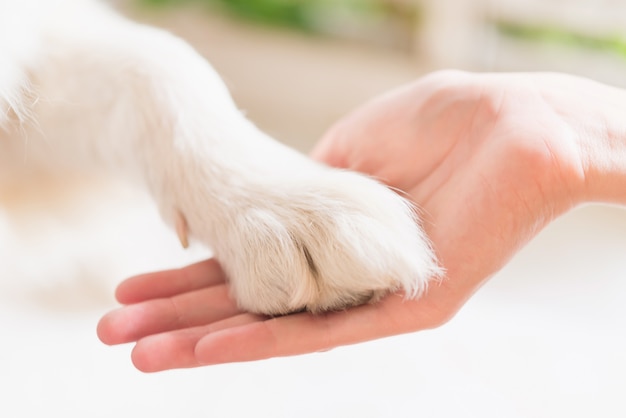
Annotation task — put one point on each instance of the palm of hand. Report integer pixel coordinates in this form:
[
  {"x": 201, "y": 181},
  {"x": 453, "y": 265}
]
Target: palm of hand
[
  {"x": 482, "y": 160},
  {"x": 479, "y": 159}
]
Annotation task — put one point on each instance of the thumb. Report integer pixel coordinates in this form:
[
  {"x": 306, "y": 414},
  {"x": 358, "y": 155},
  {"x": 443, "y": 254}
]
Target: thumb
[{"x": 330, "y": 149}]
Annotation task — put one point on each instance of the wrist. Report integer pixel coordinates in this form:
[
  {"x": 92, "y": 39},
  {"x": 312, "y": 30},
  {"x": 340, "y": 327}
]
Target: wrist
[{"x": 602, "y": 145}]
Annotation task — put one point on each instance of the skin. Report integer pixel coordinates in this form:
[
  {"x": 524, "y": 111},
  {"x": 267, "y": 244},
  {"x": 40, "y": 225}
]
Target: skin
[{"x": 490, "y": 159}]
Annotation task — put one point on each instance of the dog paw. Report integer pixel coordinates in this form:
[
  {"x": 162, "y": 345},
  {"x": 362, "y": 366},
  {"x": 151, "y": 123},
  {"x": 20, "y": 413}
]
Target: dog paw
[
  {"x": 323, "y": 241},
  {"x": 290, "y": 234}
]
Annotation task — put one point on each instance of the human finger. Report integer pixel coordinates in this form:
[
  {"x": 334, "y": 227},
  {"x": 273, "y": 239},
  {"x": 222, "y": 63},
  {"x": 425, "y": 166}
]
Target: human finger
[
  {"x": 175, "y": 350},
  {"x": 305, "y": 333},
  {"x": 199, "y": 307},
  {"x": 163, "y": 284}
]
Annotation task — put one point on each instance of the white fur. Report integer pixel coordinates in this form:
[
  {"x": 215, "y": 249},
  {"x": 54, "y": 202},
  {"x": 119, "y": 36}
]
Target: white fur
[{"x": 82, "y": 87}]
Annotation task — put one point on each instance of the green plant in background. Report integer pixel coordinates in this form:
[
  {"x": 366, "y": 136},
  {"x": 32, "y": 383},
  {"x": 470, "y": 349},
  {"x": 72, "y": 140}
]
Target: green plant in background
[
  {"x": 615, "y": 44},
  {"x": 279, "y": 12},
  {"x": 301, "y": 14},
  {"x": 348, "y": 18},
  {"x": 284, "y": 12}
]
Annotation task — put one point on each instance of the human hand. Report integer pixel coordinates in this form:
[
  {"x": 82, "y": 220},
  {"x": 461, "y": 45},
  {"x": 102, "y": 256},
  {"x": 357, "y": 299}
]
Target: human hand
[{"x": 490, "y": 159}]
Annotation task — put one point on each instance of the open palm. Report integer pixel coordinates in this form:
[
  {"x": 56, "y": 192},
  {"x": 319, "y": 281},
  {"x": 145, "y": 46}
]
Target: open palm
[{"x": 488, "y": 159}]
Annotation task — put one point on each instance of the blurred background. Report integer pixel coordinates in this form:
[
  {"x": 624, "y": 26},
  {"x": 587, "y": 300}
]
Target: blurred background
[
  {"x": 545, "y": 337},
  {"x": 350, "y": 50}
]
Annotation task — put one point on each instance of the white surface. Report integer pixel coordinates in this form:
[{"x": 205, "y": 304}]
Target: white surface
[{"x": 544, "y": 338}]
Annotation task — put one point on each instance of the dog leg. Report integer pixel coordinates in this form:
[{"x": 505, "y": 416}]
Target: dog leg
[{"x": 290, "y": 233}]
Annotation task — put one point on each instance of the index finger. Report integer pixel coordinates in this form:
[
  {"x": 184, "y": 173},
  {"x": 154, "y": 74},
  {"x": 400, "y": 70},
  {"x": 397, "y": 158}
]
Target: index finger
[{"x": 164, "y": 284}]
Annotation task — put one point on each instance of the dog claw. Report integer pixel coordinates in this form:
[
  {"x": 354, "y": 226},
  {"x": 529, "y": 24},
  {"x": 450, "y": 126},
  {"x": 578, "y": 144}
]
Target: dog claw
[{"x": 180, "y": 224}]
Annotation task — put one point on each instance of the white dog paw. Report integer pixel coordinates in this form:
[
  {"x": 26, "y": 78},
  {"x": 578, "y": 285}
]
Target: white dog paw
[
  {"x": 324, "y": 241},
  {"x": 291, "y": 234}
]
